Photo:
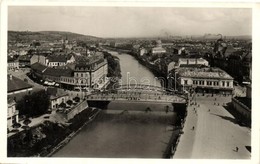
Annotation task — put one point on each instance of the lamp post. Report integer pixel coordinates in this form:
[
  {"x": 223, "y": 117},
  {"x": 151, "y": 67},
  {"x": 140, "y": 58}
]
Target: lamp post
[{"x": 175, "y": 80}]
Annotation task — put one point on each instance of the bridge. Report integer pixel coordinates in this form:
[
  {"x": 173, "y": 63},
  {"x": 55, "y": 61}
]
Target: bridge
[{"x": 135, "y": 93}]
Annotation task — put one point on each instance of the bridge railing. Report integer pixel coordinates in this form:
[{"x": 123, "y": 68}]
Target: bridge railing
[
  {"x": 137, "y": 97},
  {"x": 139, "y": 86}
]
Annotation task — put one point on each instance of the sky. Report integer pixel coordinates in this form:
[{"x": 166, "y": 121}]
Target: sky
[{"x": 131, "y": 21}]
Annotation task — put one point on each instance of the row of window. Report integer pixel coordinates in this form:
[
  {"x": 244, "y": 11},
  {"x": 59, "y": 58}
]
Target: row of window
[
  {"x": 214, "y": 83},
  {"x": 68, "y": 80}
]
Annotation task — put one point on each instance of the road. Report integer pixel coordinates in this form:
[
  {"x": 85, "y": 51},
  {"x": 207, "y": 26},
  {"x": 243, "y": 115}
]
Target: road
[{"x": 216, "y": 133}]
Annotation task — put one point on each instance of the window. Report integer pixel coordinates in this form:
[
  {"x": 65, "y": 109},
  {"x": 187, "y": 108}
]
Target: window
[
  {"x": 227, "y": 83},
  {"x": 185, "y": 82},
  {"x": 223, "y": 83},
  {"x": 82, "y": 75}
]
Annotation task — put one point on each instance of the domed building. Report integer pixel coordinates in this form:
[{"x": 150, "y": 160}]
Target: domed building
[{"x": 158, "y": 48}]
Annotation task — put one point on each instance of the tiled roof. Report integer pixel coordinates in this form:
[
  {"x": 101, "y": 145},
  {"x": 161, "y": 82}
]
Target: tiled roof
[
  {"x": 214, "y": 73},
  {"x": 16, "y": 84}
]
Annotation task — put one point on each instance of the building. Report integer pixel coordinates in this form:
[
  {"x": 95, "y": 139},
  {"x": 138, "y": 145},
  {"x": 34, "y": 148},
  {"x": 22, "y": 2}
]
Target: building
[
  {"x": 57, "y": 97},
  {"x": 39, "y": 58},
  {"x": 142, "y": 51},
  {"x": 17, "y": 86},
  {"x": 12, "y": 113},
  {"x": 13, "y": 64},
  {"x": 24, "y": 61},
  {"x": 52, "y": 60},
  {"x": 56, "y": 60},
  {"x": 186, "y": 62},
  {"x": 85, "y": 72},
  {"x": 158, "y": 49},
  {"x": 209, "y": 80}
]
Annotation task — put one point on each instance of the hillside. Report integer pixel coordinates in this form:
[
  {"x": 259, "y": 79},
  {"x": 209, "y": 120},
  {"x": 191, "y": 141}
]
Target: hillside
[{"x": 27, "y": 36}]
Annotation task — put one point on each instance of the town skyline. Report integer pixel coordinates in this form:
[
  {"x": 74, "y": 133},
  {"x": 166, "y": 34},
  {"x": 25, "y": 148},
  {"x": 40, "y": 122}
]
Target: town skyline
[{"x": 131, "y": 22}]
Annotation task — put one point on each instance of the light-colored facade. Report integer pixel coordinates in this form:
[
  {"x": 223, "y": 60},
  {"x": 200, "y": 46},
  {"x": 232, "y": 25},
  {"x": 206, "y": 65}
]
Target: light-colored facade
[
  {"x": 56, "y": 100},
  {"x": 204, "y": 80},
  {"x": 142, "y": 51},
  {"x": 93, "y": 77},
  {"x": 38, "y": 59},
  {"x": 192, "y": 61},
  {"x": 13, "y": 65},
  {"x": 87, "y": 72},
  {"x": 12, "y": 113}
]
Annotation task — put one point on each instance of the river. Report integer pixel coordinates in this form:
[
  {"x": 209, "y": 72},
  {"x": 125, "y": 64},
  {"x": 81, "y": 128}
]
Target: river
[
  {"x": 125, "y": 135},
  {"x": 133, "y": 72}
]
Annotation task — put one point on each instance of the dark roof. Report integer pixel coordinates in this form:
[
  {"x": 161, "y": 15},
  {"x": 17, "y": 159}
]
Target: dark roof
[
  {"x": 24, "y": 58},
  {"x": 57, "y": 58},
  {"x": 192, "y": 65},
  {"x": 55, "y": 93},
  {"x": 10, "y": 59},
  {"x": 16, "y": 84},
  {"x": 62, "y": 71},
  {"x": 38, "y": 67}
]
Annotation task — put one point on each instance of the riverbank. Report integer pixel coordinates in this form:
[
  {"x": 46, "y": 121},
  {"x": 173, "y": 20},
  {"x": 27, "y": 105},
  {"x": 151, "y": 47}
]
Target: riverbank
[
  {"x": 44, "y": 138},
  {"x": 73, "y": 134}
]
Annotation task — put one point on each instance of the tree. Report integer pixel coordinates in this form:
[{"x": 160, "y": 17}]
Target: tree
[
  {"x": 35, "y": 104},
  {"x": 62, "y": 105},
  {"x": 76, "y": 99},
  {"x": 69, "y": 102}
]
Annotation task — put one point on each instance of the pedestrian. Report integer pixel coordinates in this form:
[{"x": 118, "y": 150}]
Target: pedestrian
[
  {"x": 209, "y": 110},
  {"x": 236, "y": 149},
  {"x": 193, "y": 128}
]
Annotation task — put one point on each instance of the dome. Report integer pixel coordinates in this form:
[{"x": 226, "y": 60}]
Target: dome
[{"x": 158, "y": 43}]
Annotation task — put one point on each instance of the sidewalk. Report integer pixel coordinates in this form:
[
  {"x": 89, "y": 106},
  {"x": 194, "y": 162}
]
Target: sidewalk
[{"x": 216, "y": 133}]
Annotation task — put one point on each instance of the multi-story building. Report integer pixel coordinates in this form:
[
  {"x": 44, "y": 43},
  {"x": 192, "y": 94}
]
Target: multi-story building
[
  {"x": 209, "y": 80},
  {"x": 12, "y": 113},
  {"x": 13, "y": 64},
  {"x": 85, "y": 72}
]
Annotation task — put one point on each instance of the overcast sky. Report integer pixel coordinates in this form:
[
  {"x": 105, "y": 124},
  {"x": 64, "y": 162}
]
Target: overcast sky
[{"x": 131, "y": 22}]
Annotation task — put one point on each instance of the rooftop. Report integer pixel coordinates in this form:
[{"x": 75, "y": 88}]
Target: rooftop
[
  {"x": 55, "y": 93},
  {"x": 38, "y": 67},
  {"x": 214, "y": 73},
  {"x": 57, "y": 58},
  {"x": 58, "y": 71},
  {"x": 16, "y": 84}
]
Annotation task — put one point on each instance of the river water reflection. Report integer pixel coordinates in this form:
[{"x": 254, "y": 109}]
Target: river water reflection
[{"x": 131, "y": 134}]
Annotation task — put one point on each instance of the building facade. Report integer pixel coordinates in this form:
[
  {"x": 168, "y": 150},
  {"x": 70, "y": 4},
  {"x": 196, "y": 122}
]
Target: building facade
[
  {"x": 208, "y": 80},
  {"x": 12, "y": 113},
  {"x": 87, "y": 72}
]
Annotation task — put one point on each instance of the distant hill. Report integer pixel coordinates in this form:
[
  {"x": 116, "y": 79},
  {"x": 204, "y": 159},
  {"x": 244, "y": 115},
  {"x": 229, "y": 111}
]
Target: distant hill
[{"x": 28, "y": 36}]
